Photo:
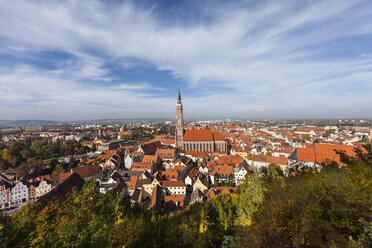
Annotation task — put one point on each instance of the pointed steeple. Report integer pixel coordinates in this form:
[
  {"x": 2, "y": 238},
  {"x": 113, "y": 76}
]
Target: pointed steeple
[{"x": 179, "y": 97}]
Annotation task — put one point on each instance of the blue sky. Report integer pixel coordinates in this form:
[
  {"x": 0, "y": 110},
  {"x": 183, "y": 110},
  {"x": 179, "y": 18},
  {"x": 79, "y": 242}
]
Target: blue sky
[{"x": 76, "y": 60}]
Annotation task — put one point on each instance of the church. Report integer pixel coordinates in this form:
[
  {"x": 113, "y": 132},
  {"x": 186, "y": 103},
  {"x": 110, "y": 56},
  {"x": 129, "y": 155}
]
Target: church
[{"x": 196, "y": 140}]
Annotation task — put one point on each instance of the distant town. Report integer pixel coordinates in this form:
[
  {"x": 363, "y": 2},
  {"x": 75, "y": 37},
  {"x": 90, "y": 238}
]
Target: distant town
[{"x": 166, "y": 165}]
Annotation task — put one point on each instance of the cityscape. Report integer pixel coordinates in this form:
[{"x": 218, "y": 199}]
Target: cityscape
[{"x": 185, "y": 124}]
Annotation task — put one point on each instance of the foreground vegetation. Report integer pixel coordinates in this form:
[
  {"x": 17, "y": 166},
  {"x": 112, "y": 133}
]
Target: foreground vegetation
[{"x": 332, "y": 208}]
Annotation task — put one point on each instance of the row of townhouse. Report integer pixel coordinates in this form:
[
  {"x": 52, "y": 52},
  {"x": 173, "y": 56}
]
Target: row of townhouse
[{"x": 21, "y": 192}]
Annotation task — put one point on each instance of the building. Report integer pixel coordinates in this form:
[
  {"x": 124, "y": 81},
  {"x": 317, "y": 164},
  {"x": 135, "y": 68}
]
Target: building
[
  {"x": 264, "y": 161},
  {"x": 201, "y": 183},
  {"x": 204, "y": 140},
  {"x": 173, "y": 187},
  {"x": 19, "y": 193},
  {"x": 43, "y": 187},
  {"x": 35, "y": 128},
  {"x": 5, "y": 196},
  {"x": 222, "y": 174},
  {"x": 62, "y": 190},
  {"x": 197, "y": 196},
  {"x": 88, "y": 172},
  {"x": 167, "y": 154},
  {"x": 197, "y": 140},
  {"x": 179, "y": 121},
  {"x": 191, "y": 176},
  {"x": 322, "y": 154}
]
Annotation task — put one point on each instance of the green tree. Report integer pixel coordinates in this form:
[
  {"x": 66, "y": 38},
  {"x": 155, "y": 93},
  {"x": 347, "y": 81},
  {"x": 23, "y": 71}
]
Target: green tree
[
  {"x": 252, "y": 193},
  {"x": 72, "y": 163},
  {"x": 58, "y": 169},
  {"x": 329, "y": 131}
]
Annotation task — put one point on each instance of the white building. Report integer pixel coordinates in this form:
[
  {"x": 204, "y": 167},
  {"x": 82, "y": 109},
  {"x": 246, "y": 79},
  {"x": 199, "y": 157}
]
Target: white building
[
  {"x": 19, "y": 193},
  {"x": 43, "y": 188},
  {"x": 173, "y": 187},
  {"x": 240, "y": 174}
]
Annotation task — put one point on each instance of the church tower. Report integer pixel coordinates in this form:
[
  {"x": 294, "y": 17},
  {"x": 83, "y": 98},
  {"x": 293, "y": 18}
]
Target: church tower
[{"x": 179, "y": 121}]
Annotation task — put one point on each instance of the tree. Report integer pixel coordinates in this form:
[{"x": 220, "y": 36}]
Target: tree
[
  {"x": 5, "y": 155},
  {"x": 6, "y": 231},
  {"x": 31, "y": 169},
  {"x": 72, "y": 163},
  {"x": 58, "y": 169},
  {"x": 329, "y": 131},
  {"x": 251, "y": 198},
  {"x": 204, "y": 160}
]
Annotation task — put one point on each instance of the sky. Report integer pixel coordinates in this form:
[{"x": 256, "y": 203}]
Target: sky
[{"x": 80, "y": 60}]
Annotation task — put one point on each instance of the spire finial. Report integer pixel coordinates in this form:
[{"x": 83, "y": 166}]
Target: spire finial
[{"x": 179, "y": 96}]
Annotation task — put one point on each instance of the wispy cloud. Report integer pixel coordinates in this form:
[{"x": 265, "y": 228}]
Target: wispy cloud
[
  {"x": 281, "y": 59},
  {"x": 136, "y": 86}
]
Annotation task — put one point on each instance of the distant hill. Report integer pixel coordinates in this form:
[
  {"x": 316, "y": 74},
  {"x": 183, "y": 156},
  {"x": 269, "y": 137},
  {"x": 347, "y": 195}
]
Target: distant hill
[{"x": 7, "y": 123}]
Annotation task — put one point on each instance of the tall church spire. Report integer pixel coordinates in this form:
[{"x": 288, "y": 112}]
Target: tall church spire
[
  {"x": 179, "y": 121},
  {"x": 179, "y": 97}
]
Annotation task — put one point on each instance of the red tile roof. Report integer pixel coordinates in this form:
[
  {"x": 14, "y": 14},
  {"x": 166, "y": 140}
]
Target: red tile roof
[
  {"x": 202, "y": 135},
  {"x": 324, "y": 152},
  {"x": 150, "y": 159},
  {"x": 170, "y": 174},
  {"x": 132, "y": 184},
  {"x": 218, "y": 136},
  {"x": 156, "y": 197},
  {"x": 175, "y": 198},
  {"x": 211, "y": 194},
  {"x": 228, "y": 159},
  {"x": 87, "y": 170},
  {"x": 139, "y": 166},
  {"x": 57, "y": 179},
  {"x": 192, "y": 173},
  {"x": 166, "y": 153},
  {"x": 173, "y": 184},
  {"x": 106, "y": 155},
  {"x": 225, "y": 170},
  {"x": 198, "y": 135}
]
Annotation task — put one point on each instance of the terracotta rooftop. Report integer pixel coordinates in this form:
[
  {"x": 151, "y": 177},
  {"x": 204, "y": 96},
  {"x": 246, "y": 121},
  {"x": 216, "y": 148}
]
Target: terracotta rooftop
[
  {"x": 271, "y": 159},
  {"x": 192, "y": 173},
  {"x": 173, "y": 184},
  {"x": 170, "y": 174},
  {"x": 150, "y": 159},
  {"x": 175, "y": 198},
  {"x": 228, "y": 159},
  {"x": 225, "y": 190},
  {"x": 61, "y": 191},
  {"x": 225, "y": 170},
  {"x": 198, "y": 135},
  {"x": 151, "y": 147},
  {"x": 156, "y": 197},
  {"x": 218, "y": 136},
  {"x": 106, "y": 155},
  {"x": 87, "y": 170},
  {"x": 324, "y": 152},
  {"x": 57, "y": 179}
]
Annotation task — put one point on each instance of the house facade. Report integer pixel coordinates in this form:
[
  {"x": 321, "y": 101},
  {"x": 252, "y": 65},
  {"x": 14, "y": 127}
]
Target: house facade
[
  {"x": 43, "y": 188},
  {"x": 19, "y": 193},
  {"x": 173, "y": 187}
]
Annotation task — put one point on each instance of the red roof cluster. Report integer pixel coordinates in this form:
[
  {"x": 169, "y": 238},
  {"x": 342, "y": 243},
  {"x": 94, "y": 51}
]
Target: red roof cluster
[
  {"x": 87, "y": 170},
  {"x": 324, "y": 153},
  {"x": 202, "y": 135}
]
